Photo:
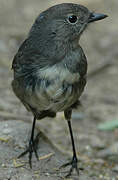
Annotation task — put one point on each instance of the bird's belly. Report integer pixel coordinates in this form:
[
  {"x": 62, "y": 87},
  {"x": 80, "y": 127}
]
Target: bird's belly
[{"x": 56, "y": 97}]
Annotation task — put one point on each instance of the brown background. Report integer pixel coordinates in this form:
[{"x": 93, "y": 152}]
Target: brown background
[{"x": 98, "y": 150}]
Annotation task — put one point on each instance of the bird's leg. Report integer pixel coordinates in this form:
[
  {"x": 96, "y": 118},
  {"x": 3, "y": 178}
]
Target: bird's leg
[
  {"x": 74, "y": 160},
  {"x": 32, "y": 145}
]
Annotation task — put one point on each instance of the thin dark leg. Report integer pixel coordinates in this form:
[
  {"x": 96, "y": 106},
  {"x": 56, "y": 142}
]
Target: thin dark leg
[
  {"x": 33, "y": 127},
  {"x": 74, "y": 161},
  {"x": 72, "y": 139},
  {"x": 32, "y": 145}
]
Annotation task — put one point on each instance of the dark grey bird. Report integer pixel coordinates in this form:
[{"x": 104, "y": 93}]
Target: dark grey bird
[{"x": 50, "y": 66}]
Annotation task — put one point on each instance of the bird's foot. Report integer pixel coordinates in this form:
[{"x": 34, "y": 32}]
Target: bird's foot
[
  {"x": 74, "y": 166},
  {"x": 30, "y": 149}
]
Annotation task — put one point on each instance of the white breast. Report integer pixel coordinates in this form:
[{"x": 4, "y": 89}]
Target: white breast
[
  {"x": 55, "y": 97},
  {"x": 56, "y": 71}
]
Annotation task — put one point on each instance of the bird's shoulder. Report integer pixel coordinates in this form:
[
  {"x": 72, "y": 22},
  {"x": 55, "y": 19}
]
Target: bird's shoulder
[
  {"x": 28, "y": 59},
  {"x": 27, "y": 54},
  {"x": 18, "y": 58}
]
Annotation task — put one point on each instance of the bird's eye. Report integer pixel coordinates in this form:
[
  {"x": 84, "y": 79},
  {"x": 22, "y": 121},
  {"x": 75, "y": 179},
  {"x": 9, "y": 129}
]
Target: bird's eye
[{"x": 72, "y": 19}]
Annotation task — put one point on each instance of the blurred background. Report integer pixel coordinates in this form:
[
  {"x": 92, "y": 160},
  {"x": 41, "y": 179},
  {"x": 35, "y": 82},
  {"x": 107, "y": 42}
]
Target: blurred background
[{"x": 95, "y": 123}]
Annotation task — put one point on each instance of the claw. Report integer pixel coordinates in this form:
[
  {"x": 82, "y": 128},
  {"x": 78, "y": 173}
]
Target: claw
[
  {"x": 32, "y": 148},
  {"x": 73, "y": 165},
  {"x": 22, "y": 154}
]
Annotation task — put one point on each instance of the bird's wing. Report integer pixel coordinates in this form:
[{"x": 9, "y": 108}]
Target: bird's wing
[
  {"x": 18, "y": 58},
  {"x": 27, "y": 60}
]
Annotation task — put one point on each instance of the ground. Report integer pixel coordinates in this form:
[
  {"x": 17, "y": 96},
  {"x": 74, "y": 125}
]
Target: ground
[{"x": 97, "y": 149}]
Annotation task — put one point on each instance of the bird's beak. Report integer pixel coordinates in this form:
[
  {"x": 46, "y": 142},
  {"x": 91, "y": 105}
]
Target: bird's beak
[{"x": 96, "y": 17}]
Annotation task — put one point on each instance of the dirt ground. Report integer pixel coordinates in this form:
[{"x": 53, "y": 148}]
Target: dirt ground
[{"x": 97, "y": 149}]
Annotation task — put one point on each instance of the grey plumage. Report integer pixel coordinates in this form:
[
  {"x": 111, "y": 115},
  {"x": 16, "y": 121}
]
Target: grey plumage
[{"x": 50, "y": 67}]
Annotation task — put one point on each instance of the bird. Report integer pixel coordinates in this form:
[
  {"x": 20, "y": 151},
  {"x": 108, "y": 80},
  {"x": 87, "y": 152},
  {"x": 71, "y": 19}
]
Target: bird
[{"x": 50, "y": 67}]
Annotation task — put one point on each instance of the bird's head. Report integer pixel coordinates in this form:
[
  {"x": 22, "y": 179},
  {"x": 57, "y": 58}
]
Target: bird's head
[{"x": 64, "y": 22}]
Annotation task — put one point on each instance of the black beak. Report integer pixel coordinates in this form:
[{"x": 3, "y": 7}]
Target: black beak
[{"x": 96, "y": 17}]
